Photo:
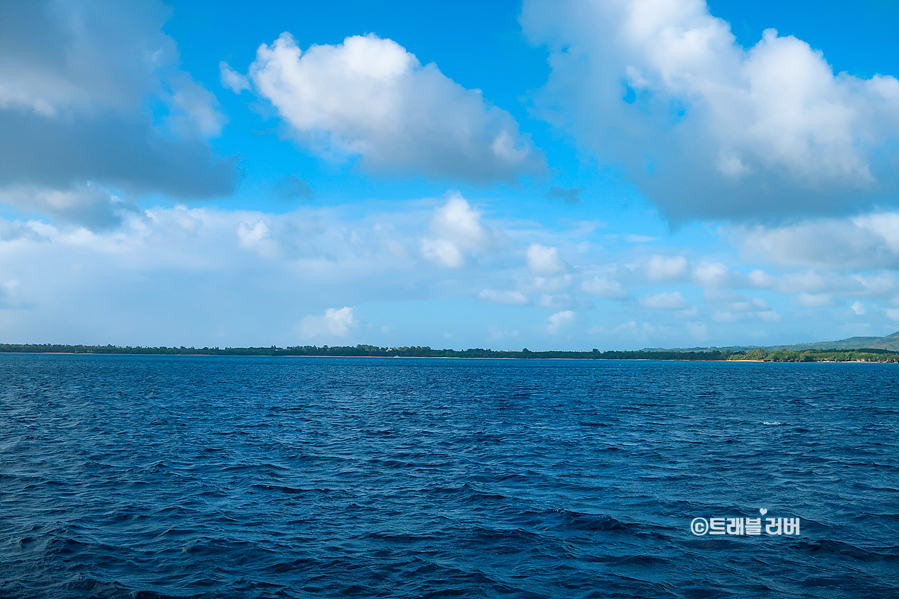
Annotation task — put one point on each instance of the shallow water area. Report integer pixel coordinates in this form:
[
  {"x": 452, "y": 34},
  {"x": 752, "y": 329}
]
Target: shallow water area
[{"x": 174, "y": 476}]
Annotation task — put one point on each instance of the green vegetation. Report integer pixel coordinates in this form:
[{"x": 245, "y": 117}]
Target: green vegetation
[
  {"x": 759, "y": 354},
  {"x": 818, "y": 355},
  {"x": 754, "y": 354},
  {"x": 370, "y": 351}
]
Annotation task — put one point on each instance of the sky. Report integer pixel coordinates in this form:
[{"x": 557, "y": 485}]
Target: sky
[{"x": 554, "y": 174}]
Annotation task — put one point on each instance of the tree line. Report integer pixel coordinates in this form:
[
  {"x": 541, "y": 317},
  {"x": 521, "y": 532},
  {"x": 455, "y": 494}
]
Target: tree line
[
  {"x": 417, "y": 351},
  {"x": 366, "y": 351}
]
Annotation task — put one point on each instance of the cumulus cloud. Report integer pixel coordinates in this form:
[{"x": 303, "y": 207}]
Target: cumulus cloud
[
  {"x": 862, "y": 242},
  {"x": 663, "y": 268},
  {"x": 13, "y": 231},
  {"x": 333, "y": 322},
  {"x": 672, "y": 300},
  {"x": 258, "y": 237},
  {"x": 457, "y": 232},
  {"x": 75, "y": 78},
  {"x": 509, "y": 298},
  {"x": 560, "y": 321},
  {"x": 443, "y": 252},
  {"x": 822, "y": 286},
  {"x": 231, "y": 79},
  {"x": 707, "y": 128},
  {"x": 815, "y": 300},
  {"x": 545, "y": 261},
  {"x": 735, "y": 302},
  {"x": 84, "y": 206},
  {"x": 197, "y": 113},
  {"x": 730, "y": 306},
  {"x": 760, "y": 279},
  {"x": 564, "y": 301},
  {"x": 713, "y": 274},
  {"x": 605, "y": 288},
  {"x": 370, "y": 97}
]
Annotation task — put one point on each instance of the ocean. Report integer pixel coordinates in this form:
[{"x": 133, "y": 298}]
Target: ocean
[{"x": 175, "y": 476}]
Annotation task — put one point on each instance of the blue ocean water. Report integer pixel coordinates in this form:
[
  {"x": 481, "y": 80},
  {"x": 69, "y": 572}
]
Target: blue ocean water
[{"x": 134, "y": 476}]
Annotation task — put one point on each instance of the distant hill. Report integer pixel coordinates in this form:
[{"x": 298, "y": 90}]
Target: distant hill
[{"x": 890, "y": 342}]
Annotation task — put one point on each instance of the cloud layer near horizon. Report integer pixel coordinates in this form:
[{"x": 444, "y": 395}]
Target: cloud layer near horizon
[
  {"x": 320, "y": 274},
  {"x": 706, "y": 128}
]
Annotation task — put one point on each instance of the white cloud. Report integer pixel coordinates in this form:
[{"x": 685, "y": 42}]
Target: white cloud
[
  {"x": 509, "y": 298},
  {"x": 199, "y": 114},
  {"x": 815, "y": 300},
  {"x": 807, "y": 281},
  {"x": 732, "y": 301},
  {"x": 458, "y": 232},
  {"x": 560, "y": 321},
  {"x": 892, "y": 313},
  {"x": 547, "y": 284},
  {"x": 761, "y": 279},
  {"x": 866, "y": 241},
  {"x": 231, "y": 79},
  {"x": 859, "y": 309},
  {"x": 442, "y": 252},
  {"x": 665, "y": 301},
  {"x": 564, "y": 302},
  {"x": 545, "y": 261},
  {"x": 850, "y": 286},
  {"x": 663, "y": 268},
  {"x": 258, "y": 238},
  {"x": 333, "y": 322},
  {"x": 705, "y": 127},
  {"x": 605, "y": 288},
  {"x": 712, "y": 274},
  {"x": 370, "y": 97},
  {"x": 459, "y": 222}
]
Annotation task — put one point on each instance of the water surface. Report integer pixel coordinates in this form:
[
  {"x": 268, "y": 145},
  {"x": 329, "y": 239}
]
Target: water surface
[{"x": 172, "y": 476}]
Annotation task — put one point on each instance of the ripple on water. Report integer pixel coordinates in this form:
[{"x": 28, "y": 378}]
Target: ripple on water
[{"x": 145, "y": 476}]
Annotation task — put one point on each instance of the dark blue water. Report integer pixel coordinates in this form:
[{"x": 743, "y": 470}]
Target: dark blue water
[{"x": 265, "y": 477}]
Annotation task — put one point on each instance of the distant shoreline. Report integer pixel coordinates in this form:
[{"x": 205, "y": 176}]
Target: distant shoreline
[{"x": 863, "y": 355}]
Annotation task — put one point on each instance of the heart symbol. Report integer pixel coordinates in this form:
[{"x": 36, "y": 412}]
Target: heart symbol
[{"x": 763, "y": 511}]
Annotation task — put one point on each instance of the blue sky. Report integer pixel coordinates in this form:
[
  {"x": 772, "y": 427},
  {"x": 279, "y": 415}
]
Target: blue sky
[{"x": 551, "y": 175}]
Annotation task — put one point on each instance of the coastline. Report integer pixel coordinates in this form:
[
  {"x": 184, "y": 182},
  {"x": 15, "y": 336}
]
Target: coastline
[{"x": 860, "y": 356}]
